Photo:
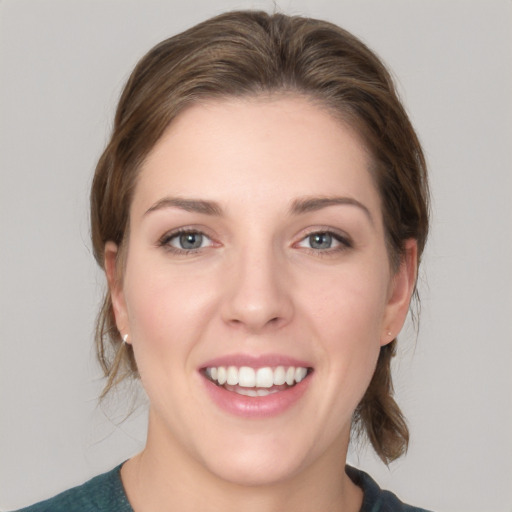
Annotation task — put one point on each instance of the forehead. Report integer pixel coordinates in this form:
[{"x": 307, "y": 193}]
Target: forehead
[{"x": 256, "y": 149}]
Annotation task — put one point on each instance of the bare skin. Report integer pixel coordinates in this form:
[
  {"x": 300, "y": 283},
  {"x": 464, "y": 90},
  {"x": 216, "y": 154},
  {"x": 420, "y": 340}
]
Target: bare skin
[{"x": 255, "y": 232}]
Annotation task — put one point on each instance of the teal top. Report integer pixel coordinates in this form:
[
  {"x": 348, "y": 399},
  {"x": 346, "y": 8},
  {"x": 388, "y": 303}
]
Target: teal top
[{"x": 105, "y": 493}]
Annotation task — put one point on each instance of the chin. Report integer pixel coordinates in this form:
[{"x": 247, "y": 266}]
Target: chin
[
  {"x": 249, "y": 471},
  {"x": 255, "y": 460}
]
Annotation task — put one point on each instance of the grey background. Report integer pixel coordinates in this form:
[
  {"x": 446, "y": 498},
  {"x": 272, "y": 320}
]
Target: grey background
[{"x": 62, "y": 65}]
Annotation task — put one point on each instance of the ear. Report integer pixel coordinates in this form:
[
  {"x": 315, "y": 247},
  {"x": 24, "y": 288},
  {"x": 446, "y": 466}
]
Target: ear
[
  {"x": 400, "y": 293},
  {"x": 115, "y": 287}
]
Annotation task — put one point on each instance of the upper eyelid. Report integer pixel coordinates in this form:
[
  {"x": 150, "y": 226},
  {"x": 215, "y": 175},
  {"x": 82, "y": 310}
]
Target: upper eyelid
[
  {"x": 173, "y": 233},
  {"x": 164, "y": 242},
  {"x": 337, "y": 233},
  {"x": 340, "y": 235},
  {"x": 186, "y": 229}
]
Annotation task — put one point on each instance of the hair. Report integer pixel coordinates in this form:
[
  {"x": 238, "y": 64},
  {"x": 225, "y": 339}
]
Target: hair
[{"x": 251, "y": 53}]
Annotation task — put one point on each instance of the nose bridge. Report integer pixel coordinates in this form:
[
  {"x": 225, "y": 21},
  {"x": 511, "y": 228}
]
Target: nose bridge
[{"x": 257, "y": 295}]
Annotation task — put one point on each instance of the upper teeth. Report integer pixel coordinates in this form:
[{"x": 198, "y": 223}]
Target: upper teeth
[{"x": 248, "y": 377}]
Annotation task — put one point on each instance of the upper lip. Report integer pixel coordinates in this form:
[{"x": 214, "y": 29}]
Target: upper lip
[{"x": 259, "y": 361}]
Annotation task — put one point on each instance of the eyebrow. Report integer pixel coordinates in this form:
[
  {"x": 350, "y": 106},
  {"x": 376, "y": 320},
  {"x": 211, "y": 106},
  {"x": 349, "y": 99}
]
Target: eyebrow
[
  {"x": 298, "y": 206},
  {"x": 311, "y": 204},
  {"x": 189, "y": 205}
]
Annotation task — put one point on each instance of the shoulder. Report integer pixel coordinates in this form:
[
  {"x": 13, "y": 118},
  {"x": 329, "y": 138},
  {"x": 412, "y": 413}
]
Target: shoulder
[
  {"x": 375, "y": 499},
  {"x": 102, "y": 493}
]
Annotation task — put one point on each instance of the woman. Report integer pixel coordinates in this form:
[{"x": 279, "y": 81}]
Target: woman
[{"x": 260, "y": 213}]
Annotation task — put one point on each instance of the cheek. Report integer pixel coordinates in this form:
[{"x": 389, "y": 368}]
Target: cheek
[
  {"x": 167, "y": 313},
  {"x": 166, "y": 307},
  {"x": 347, "y": 315},
  {"x": 349, "y": 303}
]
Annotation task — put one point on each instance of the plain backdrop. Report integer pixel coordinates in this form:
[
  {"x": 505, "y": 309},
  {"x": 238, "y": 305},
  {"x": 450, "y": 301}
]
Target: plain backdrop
[{"x": 62, "y": 66}]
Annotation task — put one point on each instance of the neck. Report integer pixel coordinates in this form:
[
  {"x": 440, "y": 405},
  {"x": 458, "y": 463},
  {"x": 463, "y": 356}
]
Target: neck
[{"x": 165, "y": 478}]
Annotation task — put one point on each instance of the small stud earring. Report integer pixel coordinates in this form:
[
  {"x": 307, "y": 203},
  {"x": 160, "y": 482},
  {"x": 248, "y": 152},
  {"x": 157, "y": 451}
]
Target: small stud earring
[
  {"x": 125, "y": 339},
  {"x": 389, "y": 333}
]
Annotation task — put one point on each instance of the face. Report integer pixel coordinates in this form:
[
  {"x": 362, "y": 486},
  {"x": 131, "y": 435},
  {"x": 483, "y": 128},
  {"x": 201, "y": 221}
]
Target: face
[{"x": 257, "y": 289}]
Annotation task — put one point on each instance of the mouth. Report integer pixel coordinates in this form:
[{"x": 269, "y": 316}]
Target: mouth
[{"x": 256, "y": 382}]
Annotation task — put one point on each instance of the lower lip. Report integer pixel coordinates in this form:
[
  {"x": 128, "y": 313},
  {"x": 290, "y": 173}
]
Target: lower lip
[{"x": 258, "y": 406}]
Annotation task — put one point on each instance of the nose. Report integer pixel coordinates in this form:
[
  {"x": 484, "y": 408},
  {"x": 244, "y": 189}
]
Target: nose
[{"x": 257, "y": 294}]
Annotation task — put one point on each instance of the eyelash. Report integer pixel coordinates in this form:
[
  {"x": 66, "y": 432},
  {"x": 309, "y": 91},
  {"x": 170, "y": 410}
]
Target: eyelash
[
  {"x": 165, "y": 241},
  {"x": 343, "y": 241}
]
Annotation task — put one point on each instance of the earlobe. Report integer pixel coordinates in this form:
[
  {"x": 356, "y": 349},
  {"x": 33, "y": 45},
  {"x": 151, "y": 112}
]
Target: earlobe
[
  {"x": 400, "y": 293},
  {"x": 115, "y": 285}
]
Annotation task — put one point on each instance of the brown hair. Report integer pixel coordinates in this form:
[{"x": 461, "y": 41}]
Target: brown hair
[{"x": 249, "y": 53}]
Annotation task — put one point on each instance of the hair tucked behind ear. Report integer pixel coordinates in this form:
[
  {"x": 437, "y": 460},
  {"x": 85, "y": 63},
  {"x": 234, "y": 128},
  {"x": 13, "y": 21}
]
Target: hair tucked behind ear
[
  {"x": 378, "y": 415},
  {"x": 247, "y": 53}
]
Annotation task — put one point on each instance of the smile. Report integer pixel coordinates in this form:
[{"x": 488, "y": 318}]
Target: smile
[{"x": 254, "y": 382}]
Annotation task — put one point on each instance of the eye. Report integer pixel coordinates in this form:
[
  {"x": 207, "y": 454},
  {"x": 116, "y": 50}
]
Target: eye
[
  {"x": 320, "y": 241},
  {"x": 183, "y": 241},
  {"x": 324, "y": 241}
]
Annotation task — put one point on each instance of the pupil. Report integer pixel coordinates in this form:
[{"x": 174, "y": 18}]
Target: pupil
[
  {"x": 191, "y": 240},
  {"x": 320, "y": 241}
]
